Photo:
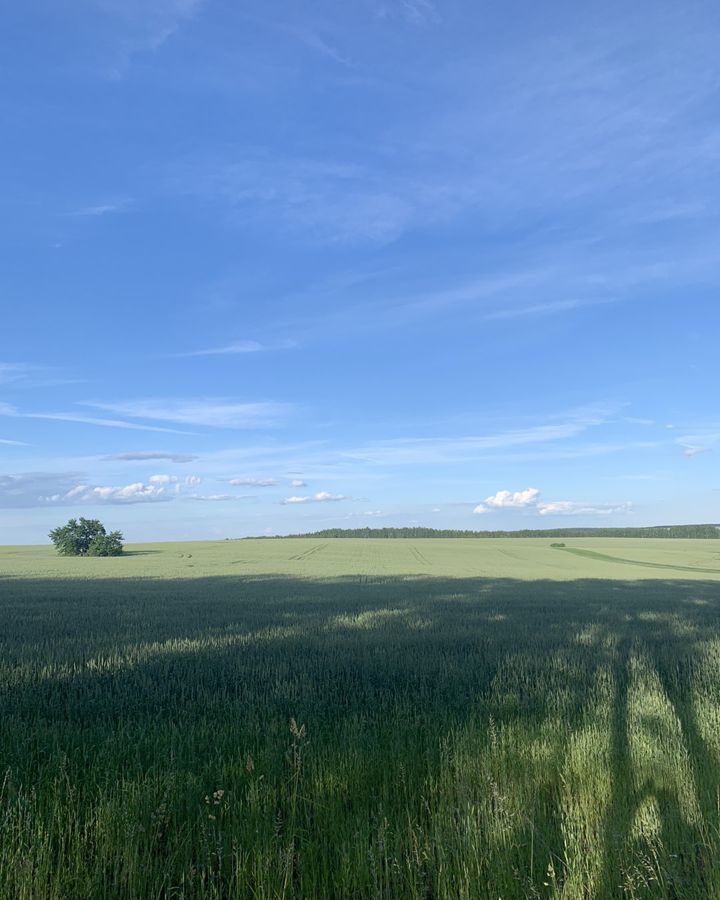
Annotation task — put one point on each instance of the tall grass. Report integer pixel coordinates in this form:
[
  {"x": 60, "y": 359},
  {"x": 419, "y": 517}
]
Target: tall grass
[{"x": 419, "y": 737}]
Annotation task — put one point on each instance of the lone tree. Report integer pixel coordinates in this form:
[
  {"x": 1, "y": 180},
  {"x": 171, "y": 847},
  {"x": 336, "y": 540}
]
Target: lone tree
[{"x": 86, "y": 537}]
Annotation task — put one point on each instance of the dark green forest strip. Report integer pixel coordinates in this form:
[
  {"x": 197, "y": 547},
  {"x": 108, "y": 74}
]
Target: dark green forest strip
[{"x": 656, "y": 531}]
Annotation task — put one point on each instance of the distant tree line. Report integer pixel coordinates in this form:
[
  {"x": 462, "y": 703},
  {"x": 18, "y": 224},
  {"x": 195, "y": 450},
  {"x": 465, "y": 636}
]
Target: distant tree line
[{"x": 656, "y": 531}]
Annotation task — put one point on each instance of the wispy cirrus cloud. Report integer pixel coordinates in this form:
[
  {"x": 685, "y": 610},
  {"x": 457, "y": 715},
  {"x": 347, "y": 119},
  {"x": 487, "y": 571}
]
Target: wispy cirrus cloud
[
  {"x": 417, "y": 12},
  {"x": 700, "y": 442},
  {"x": 695, "y": 451},
  {"x": 491, "y": 154},
  {"x": 208, "y": 412},
  {"x": 314, "y": 41},
  {"x": 552, "y": 307},
  {"x": 98, "y": 210},
  {"x": 143, "y": 25},
  {"x": 326, "y": 200},
  {"x": 152, "y": 455},
  {"x": 7, "y": 409},
  {"x": 14, "y": 373},
  {"x": 403, "y": 451},
  {"x": 29, "y": 375},
  {"x": 101, "y": 422},
  {"x": 569, "y": 281},
  {"x": 236, "y": 348}
]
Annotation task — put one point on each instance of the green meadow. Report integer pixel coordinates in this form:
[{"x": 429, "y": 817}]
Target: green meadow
[{"x": 362, "y": 719}]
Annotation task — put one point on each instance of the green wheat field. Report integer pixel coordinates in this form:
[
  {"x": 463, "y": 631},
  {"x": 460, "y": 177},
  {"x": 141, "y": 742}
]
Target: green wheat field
[{"x": 362, "y": 719}]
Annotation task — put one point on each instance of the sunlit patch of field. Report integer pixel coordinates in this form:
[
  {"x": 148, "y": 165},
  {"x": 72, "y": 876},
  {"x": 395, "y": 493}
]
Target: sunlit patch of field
[
  {"x": 339, "y": 718},
  {"x": 523, "y": 558}
]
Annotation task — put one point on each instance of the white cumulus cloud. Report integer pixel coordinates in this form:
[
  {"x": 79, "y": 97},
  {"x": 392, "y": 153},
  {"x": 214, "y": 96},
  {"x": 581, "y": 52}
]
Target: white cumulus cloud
[
  {"x": 163, "y": 479},
  {"x": 509, "y": 500},
  {"x": 137, "y": 492},
  {"x": 529, "y": 499}
]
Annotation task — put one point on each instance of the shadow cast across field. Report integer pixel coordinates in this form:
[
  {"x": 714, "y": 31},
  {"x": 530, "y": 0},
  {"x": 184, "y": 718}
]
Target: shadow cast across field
[
  {"x": 141, "y": 552},
  {"x": 415, "y": 677}
]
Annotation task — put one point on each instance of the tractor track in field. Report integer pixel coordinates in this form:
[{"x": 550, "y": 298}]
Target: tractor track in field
[
  {"x": 606, "y": 557},
  {"x": 419, "y": 556},
  {"x": 311, "y": 552},
  {"x": 509, "y": 553}
]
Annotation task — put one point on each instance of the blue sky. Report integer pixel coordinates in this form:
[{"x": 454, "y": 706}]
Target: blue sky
[{"x": 271, "y": 267}]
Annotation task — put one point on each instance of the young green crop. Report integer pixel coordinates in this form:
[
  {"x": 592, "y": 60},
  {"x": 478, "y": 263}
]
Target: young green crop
[{"x": 447, "y": 719}]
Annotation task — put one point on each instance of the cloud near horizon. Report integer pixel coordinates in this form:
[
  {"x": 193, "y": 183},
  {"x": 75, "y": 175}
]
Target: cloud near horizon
[
  {"x": 320, "y": 497},
  {"x": 509, "y": 500},
  {"x": 529, "y": 499},
  {"x": 570, "y": 508},
  {"x": 253, "y": 482},
  {"x": 138, "y": 492},
  {"x": 40, "y": 489}
]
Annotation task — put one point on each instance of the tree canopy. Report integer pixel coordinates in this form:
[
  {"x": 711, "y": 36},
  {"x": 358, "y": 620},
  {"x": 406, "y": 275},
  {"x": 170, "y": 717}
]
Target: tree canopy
[{"x": 86, "y": 537}]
